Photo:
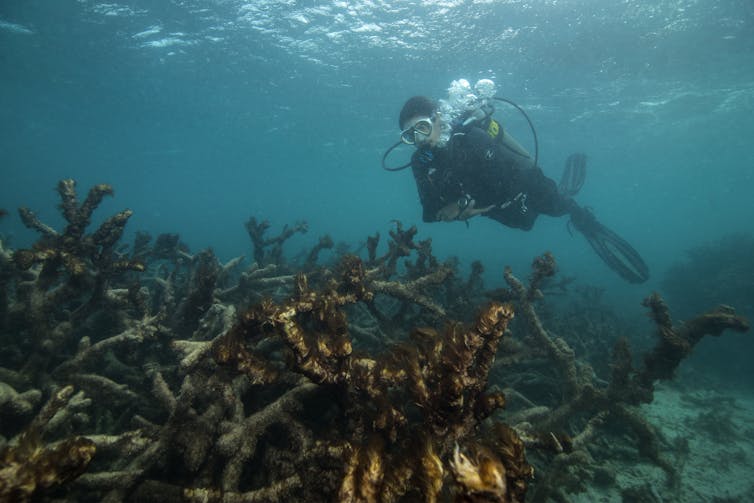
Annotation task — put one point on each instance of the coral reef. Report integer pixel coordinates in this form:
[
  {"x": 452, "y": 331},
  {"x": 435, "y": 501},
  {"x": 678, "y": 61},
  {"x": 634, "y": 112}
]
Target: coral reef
[
  {"x": 676, "y": 343},
  {"x": 167, "y": 375},
  {"x": 594, "y": 404},
  {"x": 64, "y": 278},
  {"x": 257, "y": 231},
  {"x": 718, "y": 272},
  {"x": 434, "y": 390},
  {"x": 27, "y": 466}
]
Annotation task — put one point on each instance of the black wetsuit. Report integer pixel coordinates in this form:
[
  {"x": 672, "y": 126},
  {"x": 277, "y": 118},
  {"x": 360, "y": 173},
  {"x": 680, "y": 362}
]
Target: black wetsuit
[
  {"x": 481, "y": 166},
  {"x": 474, "y": 165}
]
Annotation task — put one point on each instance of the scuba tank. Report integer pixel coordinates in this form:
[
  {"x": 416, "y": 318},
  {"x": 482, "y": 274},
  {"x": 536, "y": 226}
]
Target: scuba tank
[{"x": 481, "y": 117}]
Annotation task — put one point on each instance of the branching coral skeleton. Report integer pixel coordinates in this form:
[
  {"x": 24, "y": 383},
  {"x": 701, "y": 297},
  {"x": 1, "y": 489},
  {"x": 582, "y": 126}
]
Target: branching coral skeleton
[{"x": 203, "y": 381}]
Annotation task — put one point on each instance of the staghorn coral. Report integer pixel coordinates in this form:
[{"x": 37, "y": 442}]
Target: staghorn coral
[
  {"x": 426, "y": 283},
  {"x": 556, "y": 348},
  {"x": 201, "y": 286},
  {"x": 674, "y": 344},
  {"x": 598, "y": 406},
  {"x": 65, "y": 277},
  {"x": 412, "y": 290},
  {"x": 72, "y": 251},
  {"x": 28, "y": 468},
  {"x": 188, "y": 430},
  {"x": 401, "y": 245},
  {"x": 257, "y": 231},
  {"x": 136, "y": 333},
  {"x": 14, "y": 405},
  {"x": 437, "y": 386},
  {"x": 320, "y": 390},
  {"x": 715, "y": 272},
  {"x": 325, "y": 243},
  {"x": 104, "y": 365}
]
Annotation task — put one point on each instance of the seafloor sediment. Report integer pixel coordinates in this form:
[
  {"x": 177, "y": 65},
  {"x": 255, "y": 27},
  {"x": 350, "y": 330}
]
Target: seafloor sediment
[{"x": 148, "y": 372}]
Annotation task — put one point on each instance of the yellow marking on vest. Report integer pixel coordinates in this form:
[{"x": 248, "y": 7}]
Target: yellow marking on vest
[{"x": 493, "y": 129}]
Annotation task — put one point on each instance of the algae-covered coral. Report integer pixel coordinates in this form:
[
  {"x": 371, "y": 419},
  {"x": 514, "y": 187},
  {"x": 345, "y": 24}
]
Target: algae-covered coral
[{"x": 170, "y": 376}]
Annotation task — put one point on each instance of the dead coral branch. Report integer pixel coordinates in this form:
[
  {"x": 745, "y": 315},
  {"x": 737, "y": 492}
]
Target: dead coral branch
[
  {"x": 28, "y": 467},
  {"x": 407, "y": 407},
  {"x": 270, "y": 250},
  {"x": 72, "y": 250},
  {"x": 676, "y": 343}
]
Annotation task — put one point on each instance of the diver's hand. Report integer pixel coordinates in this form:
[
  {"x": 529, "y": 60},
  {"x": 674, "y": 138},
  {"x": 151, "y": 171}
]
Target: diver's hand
[
  {"x": 463, "y": 209},
  {"x": 449, "y": 212}
]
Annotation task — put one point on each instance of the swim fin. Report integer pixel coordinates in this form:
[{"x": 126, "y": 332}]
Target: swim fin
[
  {"x": 574, "y": 175},
  {"x": 614, "y": 251}
]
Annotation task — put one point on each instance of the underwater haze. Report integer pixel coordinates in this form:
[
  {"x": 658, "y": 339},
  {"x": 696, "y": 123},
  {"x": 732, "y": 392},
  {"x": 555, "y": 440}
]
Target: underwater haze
[{"x": 203, "y": 113}]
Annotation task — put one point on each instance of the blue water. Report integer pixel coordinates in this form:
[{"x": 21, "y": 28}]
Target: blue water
[{"x": 204, "y": 113}]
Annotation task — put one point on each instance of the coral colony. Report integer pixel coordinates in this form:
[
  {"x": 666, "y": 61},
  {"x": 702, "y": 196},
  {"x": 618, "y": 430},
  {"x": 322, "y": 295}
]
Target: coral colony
[{"x": 146, "y": 372}]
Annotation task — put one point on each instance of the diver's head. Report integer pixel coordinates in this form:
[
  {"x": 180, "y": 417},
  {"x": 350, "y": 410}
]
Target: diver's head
[
  {"x": 421, "y": 126},
  {"x": 419, "y": 122}
]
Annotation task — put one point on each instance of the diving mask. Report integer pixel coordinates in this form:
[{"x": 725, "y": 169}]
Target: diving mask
[{"x": 418, "y": 132}]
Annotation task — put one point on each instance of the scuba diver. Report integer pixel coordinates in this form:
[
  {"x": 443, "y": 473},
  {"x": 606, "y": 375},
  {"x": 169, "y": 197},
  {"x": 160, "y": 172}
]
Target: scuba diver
[{"x": 465, "y": 164}]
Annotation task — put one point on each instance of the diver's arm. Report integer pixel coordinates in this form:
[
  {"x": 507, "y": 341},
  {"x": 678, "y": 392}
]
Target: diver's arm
[{"x": 429, "y": 196}]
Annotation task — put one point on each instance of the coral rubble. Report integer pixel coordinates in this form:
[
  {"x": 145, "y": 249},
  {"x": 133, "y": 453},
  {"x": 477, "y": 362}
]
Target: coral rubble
[{"x": 168, "y": 375}]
